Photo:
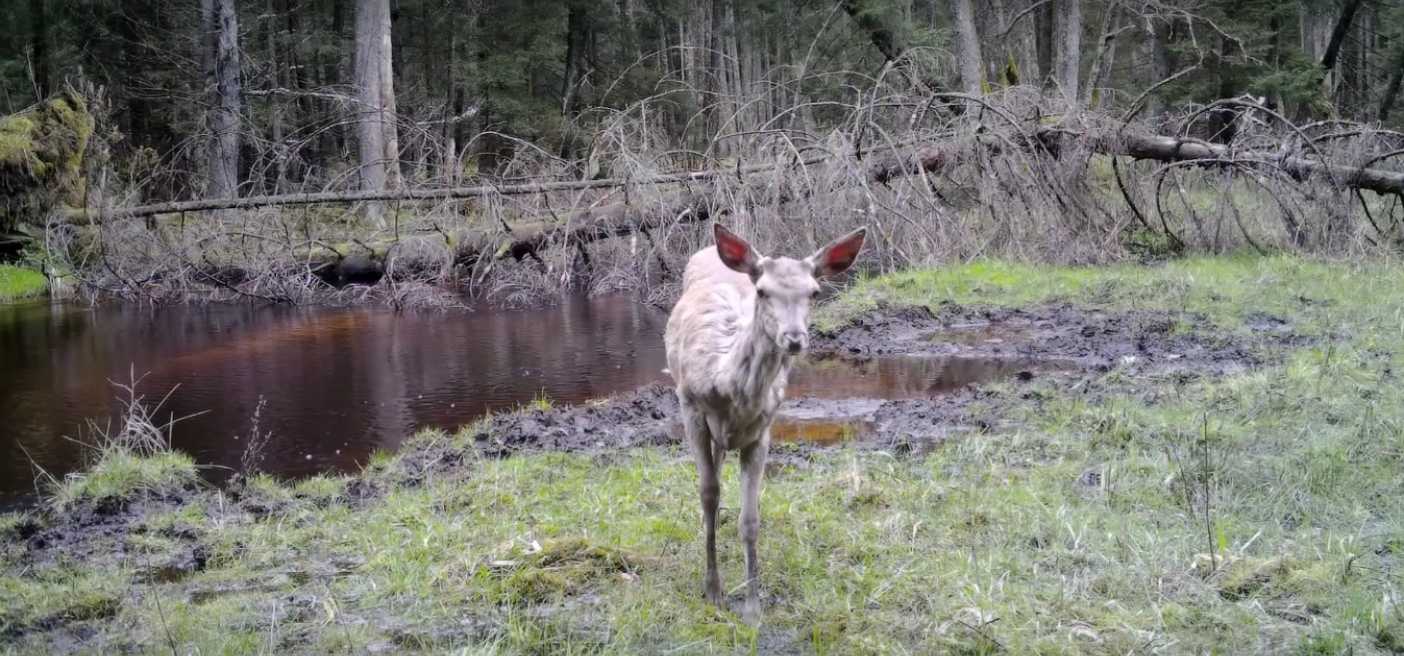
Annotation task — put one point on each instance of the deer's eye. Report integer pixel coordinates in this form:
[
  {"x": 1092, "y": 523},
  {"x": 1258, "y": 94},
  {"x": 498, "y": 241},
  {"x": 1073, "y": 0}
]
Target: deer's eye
[
  {"x": 760, "y": 293},
  {"x": 814, "y": 294}
]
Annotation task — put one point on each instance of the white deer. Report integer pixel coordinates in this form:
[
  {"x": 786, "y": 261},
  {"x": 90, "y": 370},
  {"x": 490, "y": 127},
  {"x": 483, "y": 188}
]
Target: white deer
[{"x": 741, "y": 320}]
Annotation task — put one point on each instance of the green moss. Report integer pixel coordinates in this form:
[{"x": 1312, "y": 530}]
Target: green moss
[
  {"x": 17, "y": 283},
  {"x": 560, "y": 567},
  {"x": 41, "y": 157}
]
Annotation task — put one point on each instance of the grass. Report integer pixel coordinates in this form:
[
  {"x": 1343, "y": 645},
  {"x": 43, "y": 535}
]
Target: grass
[
  {"x": 121, "y": 474},
  {"x": 1227, "y": 289},
  {"x": 17, "y": 284},
  {"x": 1084, "y": 529}
]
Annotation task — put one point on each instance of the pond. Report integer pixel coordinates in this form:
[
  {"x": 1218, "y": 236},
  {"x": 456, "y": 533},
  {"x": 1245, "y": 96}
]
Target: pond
[{"x": 336, "y": 385}]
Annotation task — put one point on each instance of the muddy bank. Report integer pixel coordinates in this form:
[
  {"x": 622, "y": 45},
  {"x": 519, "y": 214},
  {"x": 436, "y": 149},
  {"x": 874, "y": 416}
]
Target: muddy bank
[{"x": 1079, "y": 337}]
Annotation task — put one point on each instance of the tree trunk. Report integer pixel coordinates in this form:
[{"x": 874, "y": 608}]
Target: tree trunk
[
  {"x": 1044, "y": 38},
  {"x": 577, "y": 36},
  {"x": 716, "y": 79},
  {"x": 1158, "y": 41},
  {"x": 334, "y": 72},
  {"x": 1102, "y": 60},
  {"x": 1026, "y": 37},
  {"x": 275, "y": 104},
  {"x": 1275, "y": 57},
  {"x": 1392, "y": 90},
  {"x": 39, "y": 47},
  {"x": 388, "y": 110},
  {"x": 223, "y": 38},
  {"x": 296, "y": 72},
  {"x": 967, "y": 47},
  {"x": 929, "y": 158},
  {"x": 577, "y": 32},
  {"x": 1333, "y": 48},
  {"x": 879, "y": 31},
  {"x": 1223, "y": 122},
  {"x": 378, "y": 142},
  {"x": 1067, "y": 52}
]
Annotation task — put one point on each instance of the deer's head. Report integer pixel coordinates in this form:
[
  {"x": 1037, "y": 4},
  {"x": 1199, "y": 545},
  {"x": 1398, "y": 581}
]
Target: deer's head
[{"x": 786, "y": 286}]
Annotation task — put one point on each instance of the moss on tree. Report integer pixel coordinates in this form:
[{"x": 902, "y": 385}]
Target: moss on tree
[{"x": 41, "y": 157}]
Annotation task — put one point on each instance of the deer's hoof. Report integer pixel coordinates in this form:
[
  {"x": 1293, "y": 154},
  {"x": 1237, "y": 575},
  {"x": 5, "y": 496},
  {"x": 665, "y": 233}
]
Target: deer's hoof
[{"x": 713, "y": 595}]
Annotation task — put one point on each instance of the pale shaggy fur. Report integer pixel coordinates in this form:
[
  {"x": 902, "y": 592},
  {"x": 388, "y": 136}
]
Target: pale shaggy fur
[
  {"x": 730, "y": 341},
  {"x": 721, "y": 354}
]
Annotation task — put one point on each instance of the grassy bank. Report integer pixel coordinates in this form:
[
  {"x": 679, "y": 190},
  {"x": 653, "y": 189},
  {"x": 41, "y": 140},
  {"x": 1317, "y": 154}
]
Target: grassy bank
[
  {"x": 1257, "y": 512},
  {"x": 18, "y": 284}
]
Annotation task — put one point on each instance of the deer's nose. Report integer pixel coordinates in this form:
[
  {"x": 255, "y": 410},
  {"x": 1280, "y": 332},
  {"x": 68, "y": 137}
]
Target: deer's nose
[{"x": 795, "y": 340}]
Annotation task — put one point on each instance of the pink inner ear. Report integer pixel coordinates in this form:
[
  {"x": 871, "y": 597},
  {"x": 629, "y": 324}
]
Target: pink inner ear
[
  {"x": 842, "y": 254},
  {"x": 731, "y": 250}
]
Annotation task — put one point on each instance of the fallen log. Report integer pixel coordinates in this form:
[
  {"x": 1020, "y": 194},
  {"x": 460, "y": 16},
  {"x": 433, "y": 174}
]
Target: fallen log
[
  {"x": 685, "y": 206},
  {"x": 927, "y": 157},
  {"x": 1171, "y": 149},
  {"x": 595, "y": 223},
  {"x": 418, "y": 194},
  {"x": 690, "y": 205},
  {"x": 620, "y": 219}
]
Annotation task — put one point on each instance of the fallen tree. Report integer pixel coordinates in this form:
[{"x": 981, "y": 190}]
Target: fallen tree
[
  {"x": 1173, "y": 149},
  {"x": 928, "y": 157},
  {"x": 603, "y": 222},
  {"x": 988, "y": 184},
  {"x": 619, "y": 219},
  {"x": 420, "y": 194}
]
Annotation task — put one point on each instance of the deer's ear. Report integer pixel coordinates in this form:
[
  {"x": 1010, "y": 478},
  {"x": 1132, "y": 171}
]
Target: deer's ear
[
  {"x": 839, "y": 254},
  {"x": 735, "y": 253}
]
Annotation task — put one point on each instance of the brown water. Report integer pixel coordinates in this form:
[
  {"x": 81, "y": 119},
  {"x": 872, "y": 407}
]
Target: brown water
[{"x": 341, "y": 384}]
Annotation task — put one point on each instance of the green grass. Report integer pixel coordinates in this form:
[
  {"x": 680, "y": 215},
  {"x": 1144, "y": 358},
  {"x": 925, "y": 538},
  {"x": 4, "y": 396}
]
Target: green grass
[
  {"x": 17, "y": 284},
  {"x": 993, "y": 543},
  {"x": 120, "y": 474},
  {"x": 1225, "y": 289},
  {"x": 60, "y": 595}
]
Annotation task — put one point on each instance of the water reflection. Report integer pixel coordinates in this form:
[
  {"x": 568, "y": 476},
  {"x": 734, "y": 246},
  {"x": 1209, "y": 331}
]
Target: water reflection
[{"x": 338, "y": 384}]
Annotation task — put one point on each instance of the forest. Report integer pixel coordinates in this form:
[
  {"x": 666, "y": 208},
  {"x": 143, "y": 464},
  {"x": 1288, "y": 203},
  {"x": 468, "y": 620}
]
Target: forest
[
  {"x": 279, "y": 150},
  {"x": 347, "y": 326}
]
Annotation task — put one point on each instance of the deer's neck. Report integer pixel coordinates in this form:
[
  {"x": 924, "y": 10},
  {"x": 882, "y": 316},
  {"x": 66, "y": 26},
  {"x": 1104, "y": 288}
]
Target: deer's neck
[{"x": 757, "y": 364}]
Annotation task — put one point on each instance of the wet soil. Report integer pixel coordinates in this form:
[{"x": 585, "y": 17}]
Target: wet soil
[{"x": 1083, "y": 338}]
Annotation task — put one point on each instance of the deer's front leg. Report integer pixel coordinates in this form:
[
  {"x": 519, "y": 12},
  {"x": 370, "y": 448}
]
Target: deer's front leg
[
  {"x": 752, "y": 472},
  {"x": 709, "y": 489}
]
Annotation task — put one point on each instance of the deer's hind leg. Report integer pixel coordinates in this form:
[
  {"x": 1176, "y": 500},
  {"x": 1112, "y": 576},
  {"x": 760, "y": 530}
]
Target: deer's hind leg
[{"x": 699, "y": 437}]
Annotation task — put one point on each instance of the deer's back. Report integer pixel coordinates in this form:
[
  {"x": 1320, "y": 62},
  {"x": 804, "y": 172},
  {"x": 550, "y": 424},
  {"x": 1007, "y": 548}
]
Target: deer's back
[{"x": 716, "y": 307}]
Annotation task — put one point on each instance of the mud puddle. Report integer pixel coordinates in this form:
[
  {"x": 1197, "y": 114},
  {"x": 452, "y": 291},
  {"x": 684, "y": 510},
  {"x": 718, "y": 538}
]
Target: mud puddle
[
  {"x": 835, "y": 398},
  {"x": 831, "y": 398}
]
